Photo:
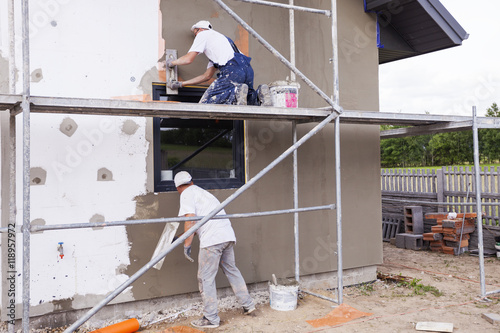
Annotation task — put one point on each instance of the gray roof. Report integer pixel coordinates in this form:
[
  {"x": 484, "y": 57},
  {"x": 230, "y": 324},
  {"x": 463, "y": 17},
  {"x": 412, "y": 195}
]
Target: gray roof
[{"x": 407, "y": 28}]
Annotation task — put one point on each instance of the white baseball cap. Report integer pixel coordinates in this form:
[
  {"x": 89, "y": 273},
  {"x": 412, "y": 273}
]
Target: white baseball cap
[
  {"x": 201, "y": 25},
  {"x": 182, "y": 178}
]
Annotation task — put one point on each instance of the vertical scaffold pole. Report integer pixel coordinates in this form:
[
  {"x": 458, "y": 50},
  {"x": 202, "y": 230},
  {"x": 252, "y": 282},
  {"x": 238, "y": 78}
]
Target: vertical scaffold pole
[
  {"x": 296, "y": 203},
  {"x": 479, "y": 209},
  {"x": 12, "y": 138},
  {"x": 26, "y": 167},
  {"x": 295, "y": 158},
  {"x": 338, "y": 205},
  {"x": 336, "y": 99}
]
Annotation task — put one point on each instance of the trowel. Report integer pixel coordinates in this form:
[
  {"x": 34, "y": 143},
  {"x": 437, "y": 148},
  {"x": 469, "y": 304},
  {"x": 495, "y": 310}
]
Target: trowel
[{"x": 171, "y": 73}]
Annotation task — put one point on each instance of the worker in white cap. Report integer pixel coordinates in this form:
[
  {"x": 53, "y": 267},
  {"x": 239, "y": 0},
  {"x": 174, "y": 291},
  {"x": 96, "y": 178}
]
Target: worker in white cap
[
  {"x": 217, "y": 239},
  {"x": 234, "y": 83}
]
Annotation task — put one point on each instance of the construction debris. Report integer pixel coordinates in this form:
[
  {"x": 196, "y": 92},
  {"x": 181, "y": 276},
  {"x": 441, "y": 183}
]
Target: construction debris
[
  {"x": 393, "y": 278},
  {"x": 492, "y": 318}
]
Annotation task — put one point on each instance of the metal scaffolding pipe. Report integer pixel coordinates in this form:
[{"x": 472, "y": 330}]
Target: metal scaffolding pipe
[
  {"x": 493, "y": 292},
  {"x": 200, "y": 223},
  {"x": 477, "y": 169},
  {"x": 12, "y": 189},
  {"x": 336, "y": 107},
  {"x": 296, "y": 205},
  {"x": 335, "y": 55},
  {"x": 338, "y": 205},
  {"x": 26, "y": 167},
  {"x": 319, "y": 296},
  {"x": 338, "y": 195},
  {"x": 291, "y": 7},
  {"x": 38, "y": 228},
  {"x": 291, "y": 19}
]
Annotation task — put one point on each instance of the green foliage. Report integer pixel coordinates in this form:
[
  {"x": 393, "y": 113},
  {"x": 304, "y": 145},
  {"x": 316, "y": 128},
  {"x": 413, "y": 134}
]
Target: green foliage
[
  {"x": 490, "y": 138},
  {"x": 420, "y": 289},
  {"x": 440, "y": 149},
  {"x": 366, "y": 288}
]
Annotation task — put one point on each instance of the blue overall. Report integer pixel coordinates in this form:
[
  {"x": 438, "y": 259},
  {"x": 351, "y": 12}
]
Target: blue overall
[{"x": 236, "y": 71}]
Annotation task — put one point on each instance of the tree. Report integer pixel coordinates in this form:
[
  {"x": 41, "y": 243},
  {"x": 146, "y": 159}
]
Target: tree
[
  {"x": 442, "y": 148},
  {"x": 490, "y": 138}
]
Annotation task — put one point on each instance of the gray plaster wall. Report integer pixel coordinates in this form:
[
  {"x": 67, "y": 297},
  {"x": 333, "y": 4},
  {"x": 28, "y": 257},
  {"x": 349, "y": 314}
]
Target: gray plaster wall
[
  {"x": 4, "y": 74},
  {"x": 266, "y": 245}
]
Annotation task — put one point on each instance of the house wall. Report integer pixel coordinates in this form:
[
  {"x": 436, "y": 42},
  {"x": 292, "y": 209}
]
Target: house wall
[
  {"x": 83, "y": 168},
  {"x": 265, "y": 244},
  {"x": 109, "y": 49}
]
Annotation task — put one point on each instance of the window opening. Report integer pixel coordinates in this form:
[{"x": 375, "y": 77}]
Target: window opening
[{"x": 211, "y": 150}]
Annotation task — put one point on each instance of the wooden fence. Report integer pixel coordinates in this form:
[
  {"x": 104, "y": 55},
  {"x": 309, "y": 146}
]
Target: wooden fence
[{"x": 450, "y": 185}]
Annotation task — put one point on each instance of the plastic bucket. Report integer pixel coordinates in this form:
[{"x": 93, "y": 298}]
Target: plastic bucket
[
  {"x": 283, "y": 298},
  {"x": 285, "y": 94}
]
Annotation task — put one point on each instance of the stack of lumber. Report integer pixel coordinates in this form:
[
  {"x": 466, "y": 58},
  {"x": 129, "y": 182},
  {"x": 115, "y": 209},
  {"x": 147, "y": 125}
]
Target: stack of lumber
[{"x": 447, "y": 235}]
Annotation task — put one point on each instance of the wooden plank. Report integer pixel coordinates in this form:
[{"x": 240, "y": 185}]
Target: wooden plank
[{"x": 434, "y": 326}]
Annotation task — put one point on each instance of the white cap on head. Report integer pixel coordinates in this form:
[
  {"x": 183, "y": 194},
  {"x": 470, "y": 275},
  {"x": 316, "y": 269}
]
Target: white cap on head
[
  {"x": 182, "y": 178},
  {"x": 201, "y": 25}
]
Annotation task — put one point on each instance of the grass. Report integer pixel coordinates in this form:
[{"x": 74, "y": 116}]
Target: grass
[
  {"x": 420, "y": 289},
  {"x": 366, "y": 289}
]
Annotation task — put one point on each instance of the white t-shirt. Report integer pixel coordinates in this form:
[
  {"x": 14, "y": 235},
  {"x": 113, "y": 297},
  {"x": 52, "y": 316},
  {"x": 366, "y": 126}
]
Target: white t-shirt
[
  {"x": 215, "y": 45},
  {"x": 197, "y": 201}
]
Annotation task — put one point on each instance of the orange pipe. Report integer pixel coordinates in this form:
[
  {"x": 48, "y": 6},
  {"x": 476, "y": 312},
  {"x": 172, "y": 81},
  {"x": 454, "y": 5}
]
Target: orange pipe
[{"x": 127, "y": 326}]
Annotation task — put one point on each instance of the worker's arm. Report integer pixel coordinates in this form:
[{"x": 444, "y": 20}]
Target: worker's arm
[
  {"x": 188, "y": 225},
  {"x": 200, "y": 78},
  {"x": 185, "y": 59},
  {"x": 188, "y": 241}
]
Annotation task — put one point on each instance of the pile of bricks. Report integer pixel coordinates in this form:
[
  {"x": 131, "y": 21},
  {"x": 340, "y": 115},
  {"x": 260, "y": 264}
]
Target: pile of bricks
[{"x": 446, "y": 235}]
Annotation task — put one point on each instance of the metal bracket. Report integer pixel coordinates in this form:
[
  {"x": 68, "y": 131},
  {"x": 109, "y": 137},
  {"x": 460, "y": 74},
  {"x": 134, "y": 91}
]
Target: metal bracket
[{"x": 171, "y": 73}]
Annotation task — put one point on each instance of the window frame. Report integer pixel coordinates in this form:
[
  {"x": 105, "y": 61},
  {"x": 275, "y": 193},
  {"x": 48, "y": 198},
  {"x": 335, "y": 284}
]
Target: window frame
[{"x": 190, "y": 93}]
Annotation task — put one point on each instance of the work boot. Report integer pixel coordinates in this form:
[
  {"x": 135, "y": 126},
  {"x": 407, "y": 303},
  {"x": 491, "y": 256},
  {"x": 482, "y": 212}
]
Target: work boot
[
  {"x": 241, "y": 92},
  {"x": 247, "y": 311},
  {"x": 203, "y": 323},
  {"x": 264, "y": 95}
]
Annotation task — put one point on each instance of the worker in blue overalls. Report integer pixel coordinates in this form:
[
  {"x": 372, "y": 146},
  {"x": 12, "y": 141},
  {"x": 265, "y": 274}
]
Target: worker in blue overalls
[{"x": 234, "y": 83}]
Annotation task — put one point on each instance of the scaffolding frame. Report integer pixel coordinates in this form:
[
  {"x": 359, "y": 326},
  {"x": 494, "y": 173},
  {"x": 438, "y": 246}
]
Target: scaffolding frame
[{"x": 26, "y": 104}]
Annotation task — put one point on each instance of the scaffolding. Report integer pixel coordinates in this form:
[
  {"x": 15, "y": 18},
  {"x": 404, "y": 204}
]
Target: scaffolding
[{"x": 25, "y": 104}]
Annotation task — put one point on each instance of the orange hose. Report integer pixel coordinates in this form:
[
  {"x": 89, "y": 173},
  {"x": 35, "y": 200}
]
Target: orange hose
[{"x": 127, "y": 326}]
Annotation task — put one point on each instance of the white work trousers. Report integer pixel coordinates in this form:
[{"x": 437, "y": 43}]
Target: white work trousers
[{"x": 209, "y": 260}]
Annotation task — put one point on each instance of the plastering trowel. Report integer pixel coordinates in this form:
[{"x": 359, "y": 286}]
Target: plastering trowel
[
  {"x": 165, "y": 240},
  {"x": 171, "y": 73}
]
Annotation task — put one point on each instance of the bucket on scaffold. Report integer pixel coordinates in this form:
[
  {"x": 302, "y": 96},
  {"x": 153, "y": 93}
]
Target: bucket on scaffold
[
  {"x": 285, "y": 94},
  {"x": 283, "y": 297}
]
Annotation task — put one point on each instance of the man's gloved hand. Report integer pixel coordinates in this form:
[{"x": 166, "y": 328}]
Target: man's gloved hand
[
  {"x": 175, "y": 85},
  {"x": 187, "y": 253},
  {"x": 169, "y": 63}
]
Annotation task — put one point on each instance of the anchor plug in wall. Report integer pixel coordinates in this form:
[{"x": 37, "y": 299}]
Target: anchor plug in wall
[{"x": 60, "y": 249}]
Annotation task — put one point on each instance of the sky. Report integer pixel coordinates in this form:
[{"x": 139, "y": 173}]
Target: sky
[{"x": 451, "y": 81}]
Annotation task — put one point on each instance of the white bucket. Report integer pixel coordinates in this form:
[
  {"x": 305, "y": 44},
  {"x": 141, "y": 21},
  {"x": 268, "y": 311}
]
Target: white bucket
[
  {"x": 283, "y": 298},
  {"x": 285, "y": 94}
]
